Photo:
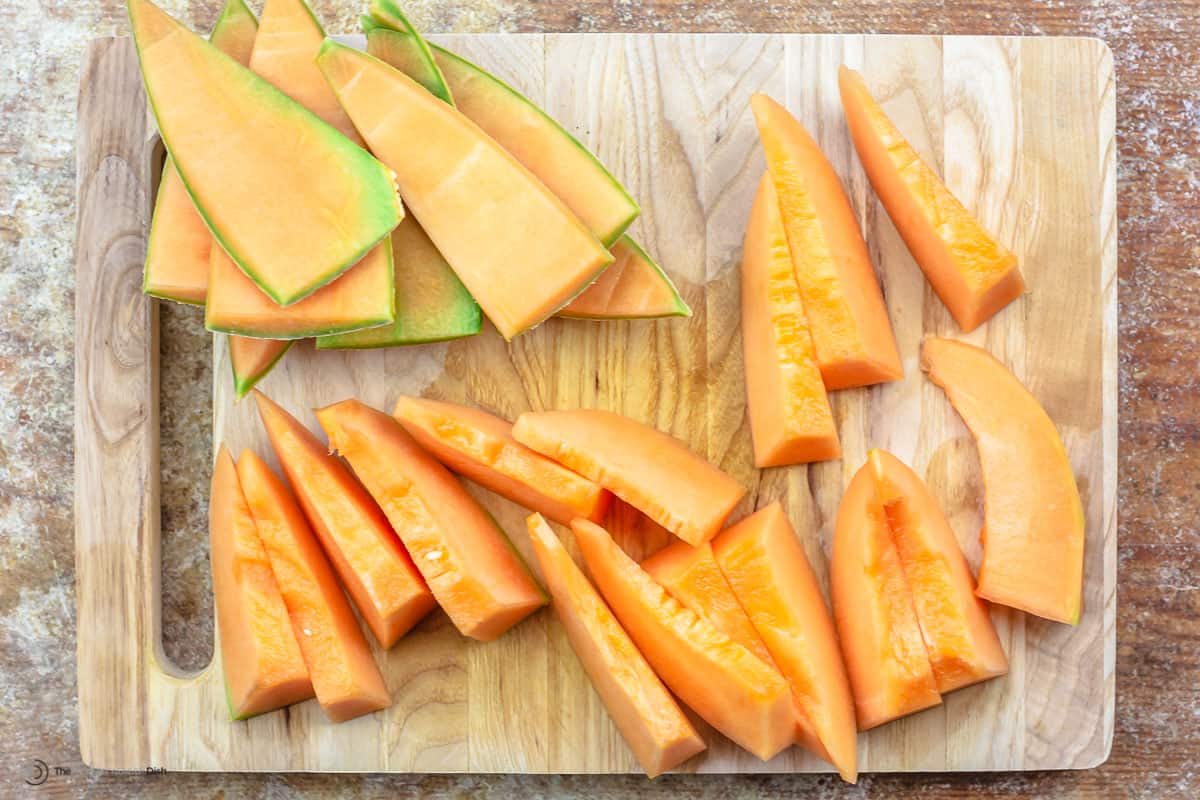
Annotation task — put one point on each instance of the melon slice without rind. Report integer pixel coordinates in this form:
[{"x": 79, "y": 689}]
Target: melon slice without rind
[
  {"x": 178, "y": 248},
  {"x": 250, "y": 156},
  {"x": 519, "y": 251}
]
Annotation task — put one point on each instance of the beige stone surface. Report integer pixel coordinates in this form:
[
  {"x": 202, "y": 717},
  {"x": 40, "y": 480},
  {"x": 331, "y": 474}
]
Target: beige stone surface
[{"x": 1155, "y": 750}]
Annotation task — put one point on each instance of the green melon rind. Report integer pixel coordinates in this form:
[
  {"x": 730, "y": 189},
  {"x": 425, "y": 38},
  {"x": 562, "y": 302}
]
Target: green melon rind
[
  {"x": 607, "y": 238},
  {"x": 242, "y": 384},
  {"x": 388, "y": 16},
  {"x": 681, "y": 308},
  {"x": 268, "y": 94},
  {"x": 234, "y": 11}
]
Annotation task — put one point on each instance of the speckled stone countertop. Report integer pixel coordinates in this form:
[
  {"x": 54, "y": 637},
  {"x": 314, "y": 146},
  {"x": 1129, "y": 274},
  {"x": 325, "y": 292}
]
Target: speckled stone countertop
[{"x": 1156, "y": 751}]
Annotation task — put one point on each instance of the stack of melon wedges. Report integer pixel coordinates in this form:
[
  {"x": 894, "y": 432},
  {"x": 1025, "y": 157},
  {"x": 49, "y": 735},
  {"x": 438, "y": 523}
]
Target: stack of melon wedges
[{"x": 370, "y": 199}]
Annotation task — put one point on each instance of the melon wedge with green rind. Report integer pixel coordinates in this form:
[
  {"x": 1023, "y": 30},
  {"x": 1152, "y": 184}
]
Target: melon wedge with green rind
[
  {"x": 514, "y": 244},
  {"x": 634, "y": 287},
  {"x": 251, "y": 360},
  {"x": 412, "y": 56},
  {"x": 250, "y": 158},
  {"x": 432, "y": 305},
  {"x": 546, "y": 149},
  {"x": 178, "y": 247}
]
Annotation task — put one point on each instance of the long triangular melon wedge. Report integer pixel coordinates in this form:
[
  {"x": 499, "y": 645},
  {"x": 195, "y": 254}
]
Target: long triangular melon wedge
[
  {"x": 177, "y": 251},
  {"x": 639, "y": 289},
  {"x": 288, "y": 39},
  {"x": 252, "y": 160},
  {"x": 432, "y": 305},
  {"x": 515, "y": 246},
  {"x": 409, "y": 54}
]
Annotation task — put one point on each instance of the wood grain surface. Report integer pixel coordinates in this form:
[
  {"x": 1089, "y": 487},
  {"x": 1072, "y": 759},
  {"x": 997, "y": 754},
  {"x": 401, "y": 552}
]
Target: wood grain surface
[{"x": 1023, "y": 132}]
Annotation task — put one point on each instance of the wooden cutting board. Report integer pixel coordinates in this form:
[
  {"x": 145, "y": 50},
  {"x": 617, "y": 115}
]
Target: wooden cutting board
[{"x": 1023, "y": 131}]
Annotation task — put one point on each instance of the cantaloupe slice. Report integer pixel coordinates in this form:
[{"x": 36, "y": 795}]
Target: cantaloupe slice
[
  {"x": 649, "y": 719},
  {"x": 519, "y": 251},
  {"x": 288, "y": 40},
  {"x": 178, "y": 247},
  {"x": 260, "y": 657},
  {"x": 847, "y": 317},
  {"x": 1033, "y": 523},
  {"x": 719, "y": 679},
  {"x": 481, "y": 447},
  {"x": 765, "y": 565},
  {"x": 791, "y": 421},
  {"x": 653, "y": 472},
  {"x": 373, "y": 565},
  {"x": 408, "y": 52},
  {"x": 251, "y": 359},
  {"x": 634, "y": 287},
  {"x": 960, "y": 640},
  {"x": 250, "y": 158},
  {"x": 693, "y": 577},
  {"x": 974, "y": 274},
  {"x": 469, "y": 565},
  {"x": 345, "y": 678},
  {"x": 881, "y": 639}
]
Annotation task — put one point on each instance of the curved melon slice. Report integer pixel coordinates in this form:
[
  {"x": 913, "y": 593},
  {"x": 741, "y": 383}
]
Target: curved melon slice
[
  {"x": 481, "y": 447},
  {"x": 252, "y": 359},
  {"x": 960, "y": 639},
  {"x": 845, "y": 309},
  {"x": 260, "y": 657},
  {"x": 431, "y": 303},
  {"x": 515, "y": 246},
  {"x": 791, "y": 421},
  {"x": 1033, "y": 522},
  {"x": 765, "y": 564},
  {"x": 546, "y": 149},
  {"x": 407, "y": 52},
  {"x": 973, "y": 274},
  {"x": 250, "y": 156},
  {"x": 649, "y": 719},
  {"x": 373, "y": 565},
  {"x": 693, "y": 577},
  {"x": 345, "y": 678},
  {"x": 881, "y": 639},
  {"x": 653, "y": 472},
  {"x": 178, "y": 247},
  {"x": 362, "y": 298},
  {"x": 634, "y": 287},
  {"x": 470, "y": 566},
  {"x": 718, "y": 678}
]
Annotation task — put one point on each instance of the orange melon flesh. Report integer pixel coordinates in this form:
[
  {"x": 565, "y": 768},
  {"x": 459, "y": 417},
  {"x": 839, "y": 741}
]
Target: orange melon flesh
[
  {"x": 791, "y": 421},
  {"x": 765, "y": 565},
  {"x": 634, "y": 287},
  {"x": 288, "y": 39},
  {"x": 251, "y": 359},
  {"x": 649, "y": 719},
  {"x": 289, "y": 36},
  {"x": 345, "y": 678},
  {"x": 960, "y": 640},
  {"x": 392, "y": 38},
  {"x": 373, "y": 565},
  {"x": 471, "y": 568},
  {"x": 481, "y": 447},
  {"x": 260, "y": 657},
  {"x": 693, "y": 577},
  {"x": 1033, "y": 523},
  {"x": 653, "y": 472},
  {"x": 292, "y": 200},
  {"x": 885, "y": 655},
  {"x": 362, "y": 298},
  {"x": 973, "y": 274},
  {"x": 178, "y": 247},
  {"x": 519, "y": 251},
  {"x": 849, "y": 322},
  {"x": 722, "y": 681}
]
